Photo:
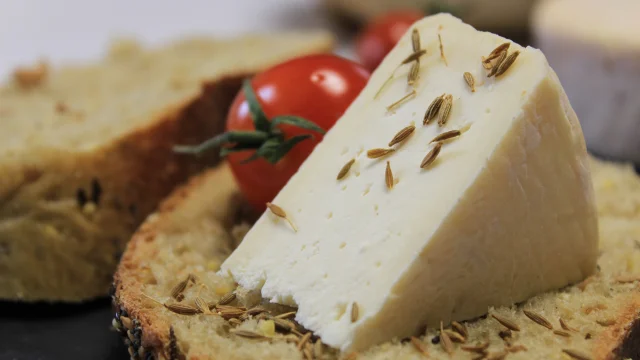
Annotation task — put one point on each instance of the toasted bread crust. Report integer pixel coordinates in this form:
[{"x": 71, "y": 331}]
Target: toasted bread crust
[
  {"x": 128, "y": 299},
  {"x": 198, "y": 199}
]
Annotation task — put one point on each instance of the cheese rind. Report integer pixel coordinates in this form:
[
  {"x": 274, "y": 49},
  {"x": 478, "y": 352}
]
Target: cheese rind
[{"x": 505, "y": 211}]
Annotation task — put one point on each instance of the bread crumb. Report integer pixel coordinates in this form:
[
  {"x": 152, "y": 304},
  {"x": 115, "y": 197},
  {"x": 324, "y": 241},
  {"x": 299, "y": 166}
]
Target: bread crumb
[
  {"x": 89, "y": 208},
  {"x": 29, "y": 77}
]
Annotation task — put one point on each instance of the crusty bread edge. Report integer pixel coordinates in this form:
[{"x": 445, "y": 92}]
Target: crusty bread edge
[{"x": 149, "y": 336}]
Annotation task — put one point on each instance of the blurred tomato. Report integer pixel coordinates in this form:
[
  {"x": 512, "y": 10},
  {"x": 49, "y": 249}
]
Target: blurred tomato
[{"x": 382, "y": 34}]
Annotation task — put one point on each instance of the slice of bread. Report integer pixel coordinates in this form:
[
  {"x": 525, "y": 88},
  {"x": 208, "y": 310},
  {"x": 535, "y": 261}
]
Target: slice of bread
[
  {"x": 194, "y": 231},
  {"x": 86, "y": 152}
]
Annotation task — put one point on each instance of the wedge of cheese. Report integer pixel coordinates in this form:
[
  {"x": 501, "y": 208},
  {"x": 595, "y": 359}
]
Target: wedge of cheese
[{"x": 504, "y": 211}]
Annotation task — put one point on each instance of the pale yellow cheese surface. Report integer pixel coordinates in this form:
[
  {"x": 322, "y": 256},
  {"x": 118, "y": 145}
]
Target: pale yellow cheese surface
[{"x": 506, "y": 210}]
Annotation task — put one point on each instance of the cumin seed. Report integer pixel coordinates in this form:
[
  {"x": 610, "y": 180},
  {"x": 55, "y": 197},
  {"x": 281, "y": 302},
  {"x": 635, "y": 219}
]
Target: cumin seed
[
  {"x": 402, "y": 135},
  {"x": 578, "y": 355},
  {"x": 477, "y": 348},
  {"x": 202, "y": 305},
  {"x": 345, "y": 169},
  {"x": 256, "y": 310},
  {"x": 446, "y": 136},
  {"x": 496, "y": 65},
  {"x": 317, "y": 349},
  {"x": 355, "y": 309},
  {"x": 606, "y": 322},
  {"x": 433, "y": 109},
  {"x": 415, "y": 40},
  {"x": 388, "y": 179},
  {"x": 455, "y": 336},
  {"x": 538, "y": 319},
  {"x": 308, "y": 353},
  {"x": 303, "y": 340},
  {"x": 506, "y": 64},
  {"x": 566, "y": 326},
  {"x": 498, "y": 50},
  {"x": 506, "y": 322},
  {"x": 415, "y": 56},
  {"x": 446, "y": 342},
  {"x": 625, "y": 279},
  {"x": 283, "y": 324},
  {"x": 414, "y": 73},
  {"x": 561, "y": 333},
  {"x": 470, "y": 81},
  {"x": 379, "y": 152},
  {"x": 177, "y": 290},
  {"x": 182, "y": 309},
  {"x": 402, "y": 100},
  {"x": 285, "y": 315},
  {"x": 419, "y": 345},
  {"x": 226, "y": 299},
  {"x": 517, "y": 348},
  {"x": 247, "y": 333},
  {"x": 279, "y": 212},
  {"x": 460, "y": 328},
  {"x": 431, "y": 156},
  {"x": 447, "y": 103},
  {"x": 444, "y": 58}
]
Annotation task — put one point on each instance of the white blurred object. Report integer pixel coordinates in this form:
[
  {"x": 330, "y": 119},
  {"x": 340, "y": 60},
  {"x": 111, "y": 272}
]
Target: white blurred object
[
  {"x": 495, "y": 15},
  {"x": 79, "y": 30},
  {"x": 595, "y": 49}
]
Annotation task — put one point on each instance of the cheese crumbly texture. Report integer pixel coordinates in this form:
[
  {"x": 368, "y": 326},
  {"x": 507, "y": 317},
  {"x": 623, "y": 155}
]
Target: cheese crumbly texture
[{"x": 506, "y": 210}]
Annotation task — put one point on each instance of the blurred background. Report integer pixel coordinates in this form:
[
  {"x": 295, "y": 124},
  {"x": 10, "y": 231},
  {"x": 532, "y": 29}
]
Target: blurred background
[{"x": 68, "y": 31}]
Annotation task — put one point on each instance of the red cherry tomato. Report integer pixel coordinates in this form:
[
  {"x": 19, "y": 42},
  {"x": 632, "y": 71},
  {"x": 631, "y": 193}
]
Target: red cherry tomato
[
  {"x": 318, "y": 88},
  {"x": 381, "y": 35}
]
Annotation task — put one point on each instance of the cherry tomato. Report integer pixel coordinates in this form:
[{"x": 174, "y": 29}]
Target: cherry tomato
[
  {"x": 318, "y": 88},
  {"x": 381, "y": 35}
]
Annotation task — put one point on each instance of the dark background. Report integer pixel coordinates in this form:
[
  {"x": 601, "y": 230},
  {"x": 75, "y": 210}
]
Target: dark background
[{"x": 52, "y": 332}]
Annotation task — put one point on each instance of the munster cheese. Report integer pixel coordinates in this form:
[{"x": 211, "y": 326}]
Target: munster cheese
[{"x": 404, "y": 221}]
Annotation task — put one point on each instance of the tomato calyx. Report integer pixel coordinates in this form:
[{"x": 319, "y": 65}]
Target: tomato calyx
[{"x": 267, "y": 139}]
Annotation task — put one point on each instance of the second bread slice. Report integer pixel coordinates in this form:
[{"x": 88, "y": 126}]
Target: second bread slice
[{"x": 86, "y": 152}]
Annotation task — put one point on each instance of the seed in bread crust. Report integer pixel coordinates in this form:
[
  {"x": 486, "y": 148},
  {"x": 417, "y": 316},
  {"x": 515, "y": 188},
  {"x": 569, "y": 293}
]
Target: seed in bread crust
[
  {"x": 566, "y": 326},
  {"x": 182, "y": 309},
  {"x": 460, "y": 328},
  {"x": 506, "y": 322},
  {"x": 419, "y": 345},
  {"x": 538, "y": 319},
  {"x": 578, "y": 355},
  {"x": 247, "y": 334},
  {"x": 446, "y": 342}
]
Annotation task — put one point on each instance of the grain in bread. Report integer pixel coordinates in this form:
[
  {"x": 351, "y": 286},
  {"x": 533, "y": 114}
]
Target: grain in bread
[
  {"x": 86, "y": 151},
  {"x": 192, "y": 233}
]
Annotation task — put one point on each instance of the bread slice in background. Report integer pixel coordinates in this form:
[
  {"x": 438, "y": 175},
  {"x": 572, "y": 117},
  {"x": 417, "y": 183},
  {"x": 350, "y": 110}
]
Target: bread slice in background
[
  {"x": 86, "y": 153},
  {"x": 193, "y": 232}
]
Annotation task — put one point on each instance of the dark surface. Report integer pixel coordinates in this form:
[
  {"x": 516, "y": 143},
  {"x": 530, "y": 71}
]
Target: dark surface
[{"x": 52, "y": 332}]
